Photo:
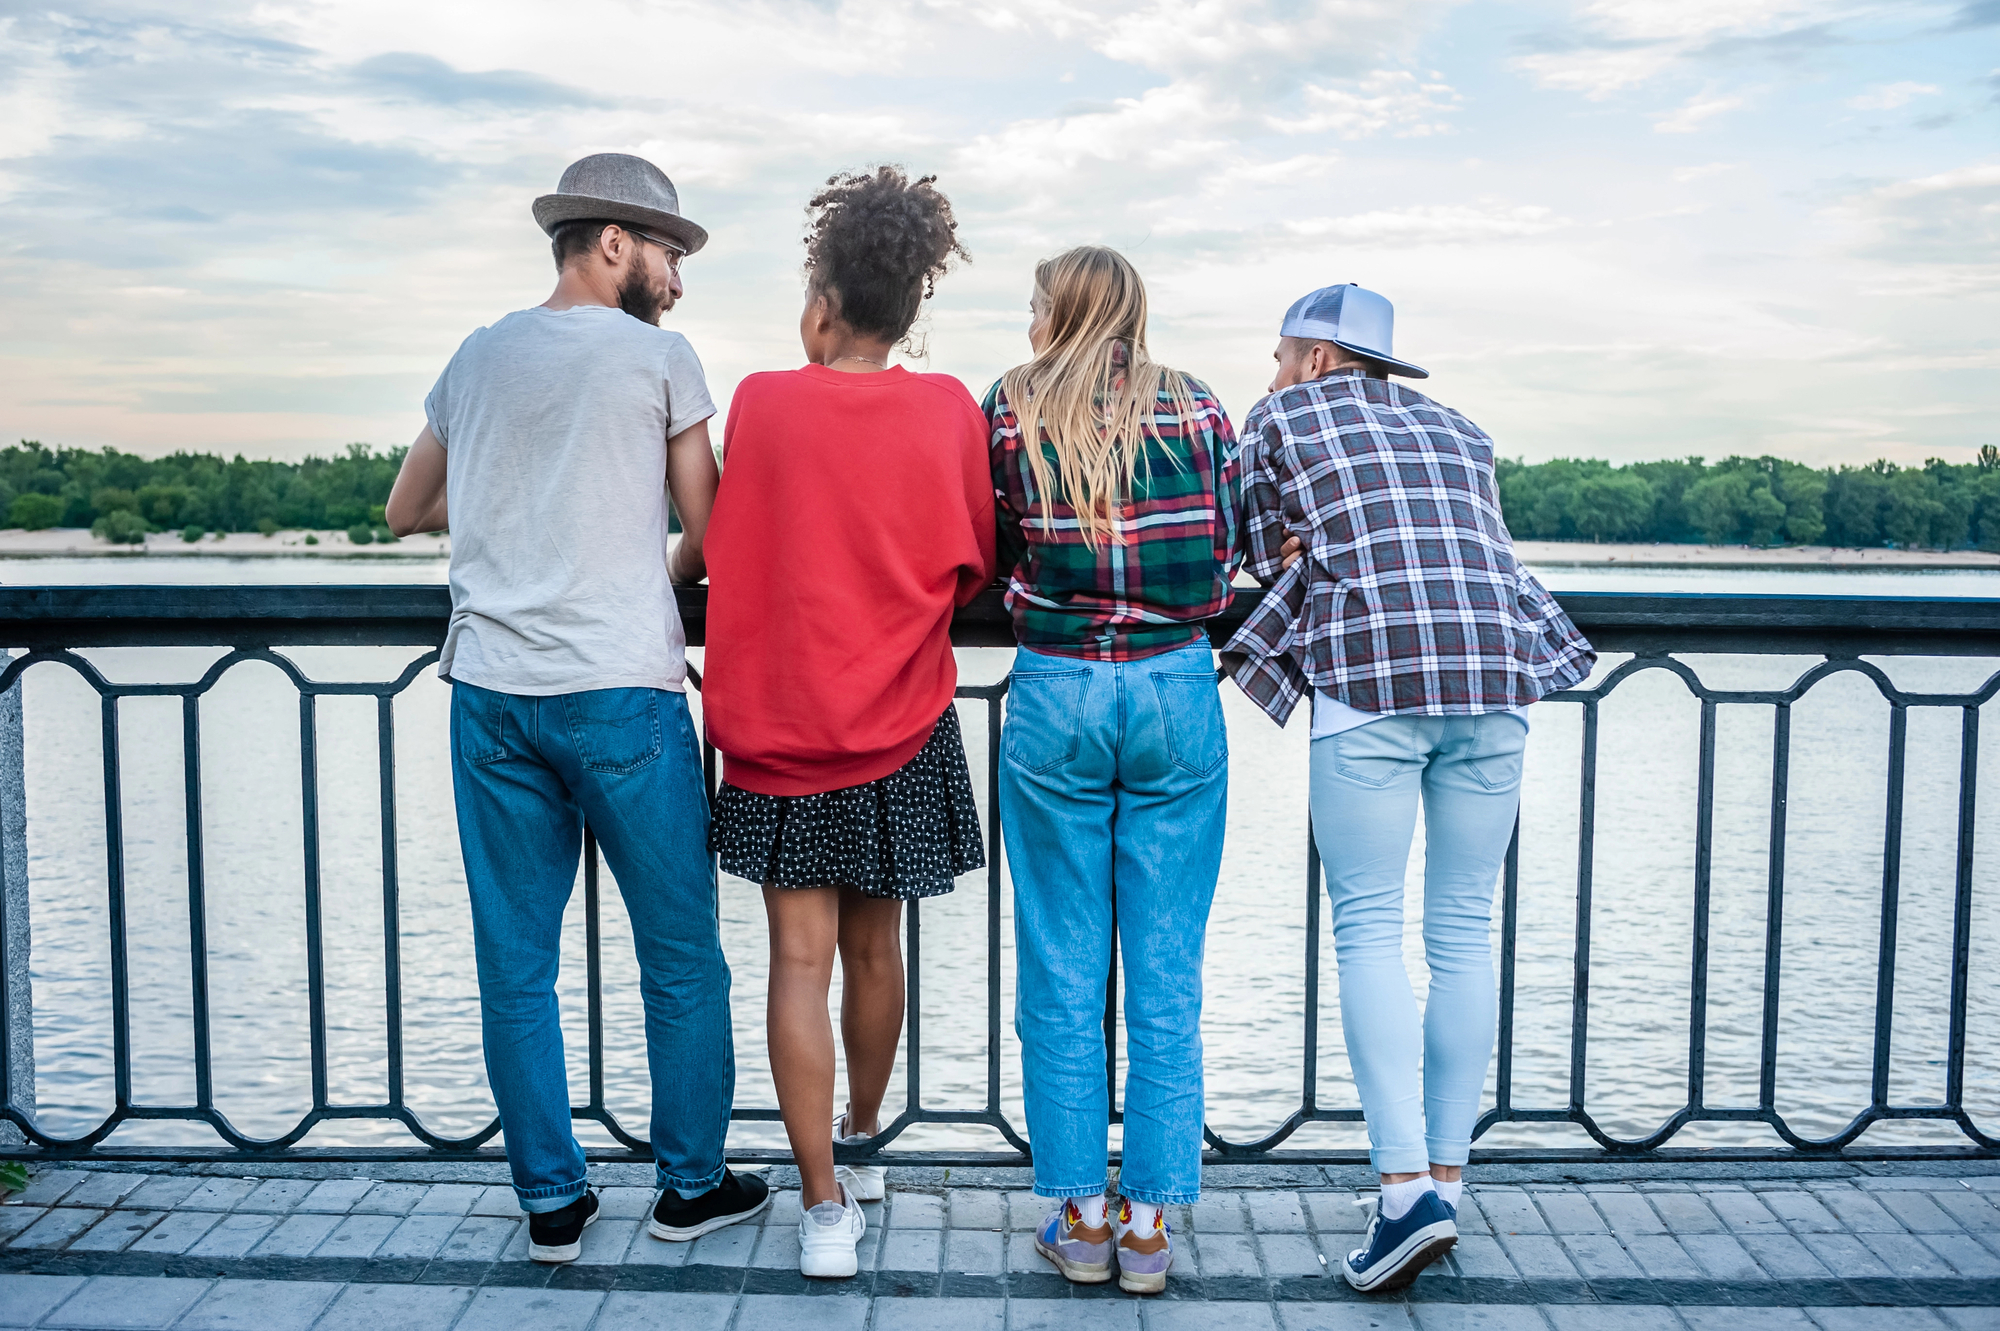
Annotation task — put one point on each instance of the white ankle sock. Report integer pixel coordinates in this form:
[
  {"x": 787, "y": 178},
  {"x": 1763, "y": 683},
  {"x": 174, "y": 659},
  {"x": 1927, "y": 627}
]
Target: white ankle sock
[
  {"x": 1141, "y": 1217},
  {"x": 1449, "y": 1193},
  {"x": 1398, "y": 1198},
  {"x": 1090, "y": 1208}
]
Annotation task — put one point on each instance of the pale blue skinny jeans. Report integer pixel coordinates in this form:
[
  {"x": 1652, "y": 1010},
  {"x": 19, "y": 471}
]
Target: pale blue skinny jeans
[{"x": 1366, "y": 785}]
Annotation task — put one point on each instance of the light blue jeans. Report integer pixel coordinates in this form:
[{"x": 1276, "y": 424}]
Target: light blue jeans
[
  {"x": 526, "y": 773},
  {"x": 1114, "y": 779},
  {"x": 1366, "y": 784}
]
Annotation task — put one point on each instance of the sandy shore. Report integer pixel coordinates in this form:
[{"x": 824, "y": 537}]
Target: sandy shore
[
  {"x": 72, "y": 542},
  {"x": 1584, "y": 554}
]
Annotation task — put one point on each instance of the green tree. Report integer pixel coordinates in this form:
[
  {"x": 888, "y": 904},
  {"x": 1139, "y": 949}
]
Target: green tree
[
  {"x": 1804, "y": 493},
  {"x": 1916, "y": 516},
  {"x": 34, "y": 511},
  {"x": 190, "y": 489},
  {"x": 1855, "y": 500},
  {"x": 1715, "y": 505},
  {"x": 123, "y": 527},
  {"x": 1612, "y": 506}
]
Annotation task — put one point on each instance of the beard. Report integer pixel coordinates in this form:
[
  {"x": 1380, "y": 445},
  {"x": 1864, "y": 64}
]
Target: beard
[{"x": 637, "y": 298}]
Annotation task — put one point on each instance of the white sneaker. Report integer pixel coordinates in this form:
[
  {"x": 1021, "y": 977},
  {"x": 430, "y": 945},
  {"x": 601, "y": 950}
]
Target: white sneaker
[
  {"x": 827, "y": 1238},
  {"x": 868, "y": 1183}
]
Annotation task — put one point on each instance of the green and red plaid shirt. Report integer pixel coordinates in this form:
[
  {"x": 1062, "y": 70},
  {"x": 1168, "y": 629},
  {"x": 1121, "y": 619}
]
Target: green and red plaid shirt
[{"x": 1147, "y": 593}]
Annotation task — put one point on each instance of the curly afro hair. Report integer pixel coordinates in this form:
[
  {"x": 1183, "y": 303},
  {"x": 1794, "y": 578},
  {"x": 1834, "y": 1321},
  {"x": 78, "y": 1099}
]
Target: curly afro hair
[{"x": 877, "y": 243}]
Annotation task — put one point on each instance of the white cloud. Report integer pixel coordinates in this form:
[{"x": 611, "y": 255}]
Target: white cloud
[
  {"x": 1449, "y": 224},
  {"x": 1696, "y": 113},
  {"x": 1390, "y": 101},
  {"x": 1950, "y": 218},
  {"x": 1889, "y": 96},
  {"x": 1609, "y": 46},
  {"x": 266, "y": 228}
]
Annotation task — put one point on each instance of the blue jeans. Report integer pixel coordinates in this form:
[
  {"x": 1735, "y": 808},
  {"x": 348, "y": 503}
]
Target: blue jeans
[
  {"x": 1366, "y": 784},
  {"x": 1114, "y": 777},
  {"x": 527, "y": 774}
]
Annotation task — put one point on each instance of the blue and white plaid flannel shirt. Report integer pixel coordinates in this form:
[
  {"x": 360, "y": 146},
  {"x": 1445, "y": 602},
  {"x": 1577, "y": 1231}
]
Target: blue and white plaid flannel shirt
[{"x": 1409, "y": 599}]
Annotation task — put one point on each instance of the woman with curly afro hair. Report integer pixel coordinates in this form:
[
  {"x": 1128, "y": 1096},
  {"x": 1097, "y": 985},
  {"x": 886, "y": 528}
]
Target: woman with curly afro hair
[{"x": 855, "y": 515}]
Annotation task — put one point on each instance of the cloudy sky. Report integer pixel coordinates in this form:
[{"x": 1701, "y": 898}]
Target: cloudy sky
[{"x": 1612, "y": 228}]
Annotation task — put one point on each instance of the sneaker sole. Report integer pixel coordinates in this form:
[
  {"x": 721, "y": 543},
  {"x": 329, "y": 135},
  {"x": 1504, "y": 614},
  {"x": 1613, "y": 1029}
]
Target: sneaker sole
[
  {"x": 693, "y": 1232},
  {"x": 556, "y": 1255},
  {"x": 1077, "y": 1273},
  {"x": 1133, "y": 1283},
  {"x": 1403, "y": 1266},
  {"x": 843, "y": 1266}
]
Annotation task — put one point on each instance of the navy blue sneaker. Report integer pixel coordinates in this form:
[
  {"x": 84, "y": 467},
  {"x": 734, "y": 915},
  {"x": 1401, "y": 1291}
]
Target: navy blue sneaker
[{"x": 1398, "y": 1250}]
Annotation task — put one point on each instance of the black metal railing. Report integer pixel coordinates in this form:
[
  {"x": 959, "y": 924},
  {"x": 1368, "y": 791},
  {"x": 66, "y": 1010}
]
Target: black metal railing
[{"x": 55, "y": 624}]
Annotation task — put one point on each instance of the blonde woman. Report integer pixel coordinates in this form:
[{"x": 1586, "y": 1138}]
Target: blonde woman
[{"x": 1115, "y": 482}]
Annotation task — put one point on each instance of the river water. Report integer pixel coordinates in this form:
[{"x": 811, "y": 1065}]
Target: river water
[{"x": 1642, "y": 924}]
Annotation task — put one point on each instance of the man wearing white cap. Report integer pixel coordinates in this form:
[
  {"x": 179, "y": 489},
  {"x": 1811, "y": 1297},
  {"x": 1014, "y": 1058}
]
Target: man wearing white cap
[
  {"x": 553, "y": 439},
  {"x": 1394, "y": 596}
]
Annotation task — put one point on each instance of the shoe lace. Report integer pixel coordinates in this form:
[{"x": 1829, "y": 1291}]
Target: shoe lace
[{"x": 1373, "y": 1206}]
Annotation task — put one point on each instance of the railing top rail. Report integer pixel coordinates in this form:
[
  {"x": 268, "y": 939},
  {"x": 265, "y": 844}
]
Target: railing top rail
[{"x": 416, "y": 615}]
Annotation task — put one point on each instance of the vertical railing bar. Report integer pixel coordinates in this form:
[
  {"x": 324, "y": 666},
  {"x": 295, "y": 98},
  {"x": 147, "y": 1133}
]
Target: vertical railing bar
[
  {"x": 392, "y": 909},
  {"x": 993, "y": 847},
  {"x": 1510, "y": 924},
  {"x": 593, "y": 967},
  {"x": 114, "y": 865},
  {"x": 1586, "y": 873},
  {"x": 315, "y": 938},
  {"x": 1309, "y": 1101},
  {"x": 197, "y": 900},
  {"x": 1774, "y": 906},
  {"x": 1961, "y": 923},
  {"x": 913, "y": 1008},
  {"x": 1892, "y": 879},
  {"x": 6, "y": 961},
  {"x": 1704, "y": 871}
]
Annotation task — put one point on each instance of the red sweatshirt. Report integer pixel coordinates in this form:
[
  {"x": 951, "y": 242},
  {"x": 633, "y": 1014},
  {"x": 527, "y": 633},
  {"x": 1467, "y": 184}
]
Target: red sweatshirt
[{"x": 855, "y": 514}]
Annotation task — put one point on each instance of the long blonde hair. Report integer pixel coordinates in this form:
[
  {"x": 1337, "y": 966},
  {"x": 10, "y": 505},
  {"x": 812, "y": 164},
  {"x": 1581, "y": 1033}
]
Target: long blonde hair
[{"x": 1091, "y": 393}]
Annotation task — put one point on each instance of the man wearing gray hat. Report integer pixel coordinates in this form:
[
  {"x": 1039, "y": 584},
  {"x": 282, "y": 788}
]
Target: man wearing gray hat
[
  {"x": 1394, "y": 596},
  {"x": 554, "y": 440}
]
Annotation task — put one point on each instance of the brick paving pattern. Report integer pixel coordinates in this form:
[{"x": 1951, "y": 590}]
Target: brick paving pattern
[{"x": 86, "y": 1249}]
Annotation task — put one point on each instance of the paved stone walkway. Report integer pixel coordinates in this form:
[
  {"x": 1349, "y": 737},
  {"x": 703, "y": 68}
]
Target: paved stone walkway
[{"x": 102, "y": 1248}]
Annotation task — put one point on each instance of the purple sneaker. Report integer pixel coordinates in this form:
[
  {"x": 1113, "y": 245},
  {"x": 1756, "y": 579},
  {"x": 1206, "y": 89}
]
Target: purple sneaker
[
  {"x": 1080, "y": 1252},
  {"x": 1143, "y": 1258}
]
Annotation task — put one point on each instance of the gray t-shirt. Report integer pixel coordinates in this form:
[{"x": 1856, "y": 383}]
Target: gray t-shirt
[{"x": 555, "y": 425}]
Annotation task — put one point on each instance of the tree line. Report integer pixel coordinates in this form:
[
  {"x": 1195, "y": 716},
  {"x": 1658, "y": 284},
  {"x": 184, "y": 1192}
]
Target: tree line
[
  {"x": 1757, "y": 501},
  {"x": 1737, "y": 501},
  {"x": 121, "y": 496}
]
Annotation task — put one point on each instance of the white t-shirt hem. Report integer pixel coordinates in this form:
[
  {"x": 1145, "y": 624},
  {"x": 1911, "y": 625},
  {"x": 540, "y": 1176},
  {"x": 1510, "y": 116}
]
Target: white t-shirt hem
[
  {"x": 520, "y": 690},
  {"x": 1331, "y": 716}
]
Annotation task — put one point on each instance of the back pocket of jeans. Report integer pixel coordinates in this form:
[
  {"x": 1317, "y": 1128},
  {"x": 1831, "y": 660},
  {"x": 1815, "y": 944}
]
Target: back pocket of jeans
[
  {"x": 614, "y": 730},
  {"x": 1377, "y": 753},
  {"x": 1044, "y": 717},
  {"x": 1500, "y": 739},
  {"x": 1191, "y": 707},
  {"x": 479, "y": 715}
]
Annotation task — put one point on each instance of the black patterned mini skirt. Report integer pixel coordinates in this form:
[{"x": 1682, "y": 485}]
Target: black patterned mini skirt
[{"x": 905, "y": 835}]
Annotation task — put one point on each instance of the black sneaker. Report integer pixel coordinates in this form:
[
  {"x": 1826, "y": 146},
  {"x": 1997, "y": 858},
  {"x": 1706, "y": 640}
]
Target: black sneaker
[
  {"x": 557, "y": 1236},
  {"x": 738, "y": 1197}
]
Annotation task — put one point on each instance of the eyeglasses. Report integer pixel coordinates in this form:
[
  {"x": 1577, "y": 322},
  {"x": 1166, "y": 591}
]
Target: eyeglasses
[{"x": 675, "y": 253}]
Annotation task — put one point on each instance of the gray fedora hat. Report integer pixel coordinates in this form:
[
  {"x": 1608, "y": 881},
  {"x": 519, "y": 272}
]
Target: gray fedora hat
[
  {"x": 1352, "y": 317},
  {"x": 618, "y": 187}
]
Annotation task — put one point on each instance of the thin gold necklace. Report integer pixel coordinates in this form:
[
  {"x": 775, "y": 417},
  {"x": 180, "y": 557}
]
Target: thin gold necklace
[{"x": 869, "y": 360}]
